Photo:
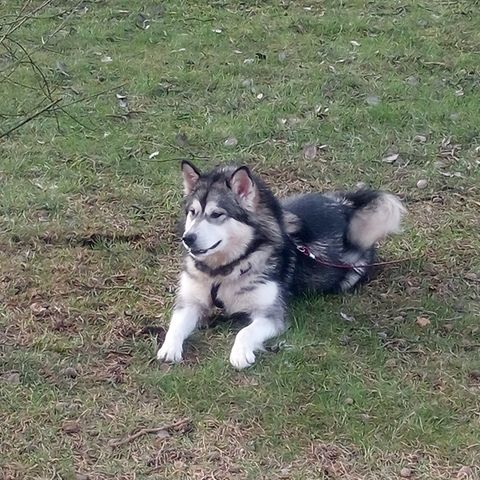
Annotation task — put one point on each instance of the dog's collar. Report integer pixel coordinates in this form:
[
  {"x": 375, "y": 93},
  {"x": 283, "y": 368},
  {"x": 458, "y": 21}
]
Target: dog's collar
[{"x": 227, "y": 269}]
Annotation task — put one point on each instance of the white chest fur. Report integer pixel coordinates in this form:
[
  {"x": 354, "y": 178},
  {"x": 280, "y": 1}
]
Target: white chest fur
[
  {"x": 245, "y": 289},
  {"x": 244, "y": 295}
]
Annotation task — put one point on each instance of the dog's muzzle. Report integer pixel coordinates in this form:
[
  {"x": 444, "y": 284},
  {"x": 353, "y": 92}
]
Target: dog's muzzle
[{"x": 202, "y": 252}]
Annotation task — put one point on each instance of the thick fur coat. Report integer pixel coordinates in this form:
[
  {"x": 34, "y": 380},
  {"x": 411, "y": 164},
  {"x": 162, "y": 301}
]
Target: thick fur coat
[{"x": 242, "y": 253}]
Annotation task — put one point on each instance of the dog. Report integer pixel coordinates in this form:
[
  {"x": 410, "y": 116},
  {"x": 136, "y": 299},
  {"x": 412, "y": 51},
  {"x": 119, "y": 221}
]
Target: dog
[{"x": 248, "y": 252}]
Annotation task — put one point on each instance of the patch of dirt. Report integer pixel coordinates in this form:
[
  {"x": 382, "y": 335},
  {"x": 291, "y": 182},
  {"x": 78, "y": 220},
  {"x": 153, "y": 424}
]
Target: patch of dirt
[
  {"x": 147, "y": 241},
  {"x": 112, "y": 368},
  {"x": 296, "y": 178}
]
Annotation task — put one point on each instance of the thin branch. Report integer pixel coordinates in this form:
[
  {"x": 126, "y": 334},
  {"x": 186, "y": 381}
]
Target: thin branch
[
  {"x": 256, "y": 144},
  {"x": 146, "y": 431},
  {"x": 24, "y": 19},
  {"x": 30, "y": 118},
  {"x": 94, "y": 95},
  {"x": 62, "y": 24},
  {"x": 44, "y": 85},
  {"x": 75, "y": 119},
  {"x": 4, "y": 78}
]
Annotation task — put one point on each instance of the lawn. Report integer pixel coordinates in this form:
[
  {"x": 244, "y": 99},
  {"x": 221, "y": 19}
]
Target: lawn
[{"x": 318, "y": 95}]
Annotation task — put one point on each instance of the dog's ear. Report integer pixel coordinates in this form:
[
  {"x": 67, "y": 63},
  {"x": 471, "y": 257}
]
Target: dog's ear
[
  {"x": 244, "y": 188},
  {"x": 190, "y": 177}
]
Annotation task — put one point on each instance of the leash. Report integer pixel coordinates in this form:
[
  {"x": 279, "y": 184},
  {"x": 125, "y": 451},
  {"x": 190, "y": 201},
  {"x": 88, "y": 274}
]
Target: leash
[{"x": 306, "y": 251}]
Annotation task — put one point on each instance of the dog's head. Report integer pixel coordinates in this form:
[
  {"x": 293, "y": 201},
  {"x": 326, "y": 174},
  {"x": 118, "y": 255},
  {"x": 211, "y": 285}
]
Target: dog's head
[{"x": 224, "y": 210}]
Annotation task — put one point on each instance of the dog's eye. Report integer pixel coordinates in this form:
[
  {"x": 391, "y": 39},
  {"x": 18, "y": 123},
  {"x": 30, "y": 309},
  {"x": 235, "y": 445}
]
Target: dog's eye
[
  {"x": 192, "y": 212},
  {"x": 216, "y": 214}
]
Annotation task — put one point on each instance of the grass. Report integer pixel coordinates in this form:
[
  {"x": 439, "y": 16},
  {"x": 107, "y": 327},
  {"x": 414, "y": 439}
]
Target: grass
[{"x": 88, "y": 257}]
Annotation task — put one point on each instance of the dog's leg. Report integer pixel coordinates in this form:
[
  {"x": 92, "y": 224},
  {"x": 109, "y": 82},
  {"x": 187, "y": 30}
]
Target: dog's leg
[
  {"x": 251, "y": 338},
  {"x": 191, "y": 305},
  {"x": 183, "y": 323}
]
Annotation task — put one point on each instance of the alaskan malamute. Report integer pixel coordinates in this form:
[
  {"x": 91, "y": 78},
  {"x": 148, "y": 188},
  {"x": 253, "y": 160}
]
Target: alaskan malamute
[{"x": 247, "y": 252}]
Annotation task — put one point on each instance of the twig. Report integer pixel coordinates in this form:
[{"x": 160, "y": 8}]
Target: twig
[
  {"x": 196, "y": 19},
  {"x": 75, "y": 119},
  {"x": 46, "y": 87},
  {"x": 146, "y": 431},
  {"x": 164, "y": 160},
  {"x": 62, "y": 24},
  {"x": 253, "y": 145},
  {"x": 24, "y": 19},
  {"x": 94, "y": 95},
  {"x": 30, "y": 118}
]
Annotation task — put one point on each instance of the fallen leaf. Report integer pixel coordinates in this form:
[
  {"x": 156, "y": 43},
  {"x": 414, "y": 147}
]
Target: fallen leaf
[
  {"x": 354, "y": 43},
  {"x": 465, "y": 472},
  {"x": 412, "y": 81},
  {"x": 249, "y": 61},
  {"x": 310, "y": 151},
  {"x": 230, "y": 142},
  {"x": 142, "y": 21},
  {"x": 217, "y": 30},
  {"x": 61, "y": 68},
  {"x": 321, "y": 112},
  {"x": 181, "y": 139},
  {"x": 406, "y": 472},
  {"x": 11, "y": 377},
  {"x": 158, "y": 10},
  {"x": 106, "y": 59},
  {"x": 420, "y": 138},
  {"x": 421, "y": 184},
  {"x": 292, "y": 121},
  {"x": 365, "y": 417},
  {"x": 70, "y": 372},
  {"x": 346, "y": 317},
  {"x": 37, "y": 308},
  {"x": 260, "y": 96},
  {"x": 390, "y": 158},
  {"x": 422, "y": 321},
  {"x": 450, "y": 174},
  {"x": 161, "y": 434},
  {"x": 153, "y": 154},
  {"x": 373, "y": 100},
  {"x": 70, "y": 426},
  {"x": 122, "y": 100},
  {"x": 474, "y": 376}
]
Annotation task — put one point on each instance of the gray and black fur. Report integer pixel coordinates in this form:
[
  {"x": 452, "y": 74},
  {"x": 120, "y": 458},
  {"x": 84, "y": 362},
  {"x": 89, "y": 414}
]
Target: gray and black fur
[{"x": 256, "y": 269}]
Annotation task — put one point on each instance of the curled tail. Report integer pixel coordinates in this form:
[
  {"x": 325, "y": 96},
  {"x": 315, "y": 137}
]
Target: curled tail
[{"x": 376, "y": 215}]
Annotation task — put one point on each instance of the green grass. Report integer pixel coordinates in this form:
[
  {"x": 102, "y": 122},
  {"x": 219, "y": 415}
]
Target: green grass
[{"x": 88, "y": 257}]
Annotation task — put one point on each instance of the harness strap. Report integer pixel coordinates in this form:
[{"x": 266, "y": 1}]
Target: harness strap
[{"x": 347, "y": 266}]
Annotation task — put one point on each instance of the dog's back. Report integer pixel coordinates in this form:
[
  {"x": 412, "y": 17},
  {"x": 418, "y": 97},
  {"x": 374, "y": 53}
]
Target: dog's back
[{"x": 340, "y": 230}]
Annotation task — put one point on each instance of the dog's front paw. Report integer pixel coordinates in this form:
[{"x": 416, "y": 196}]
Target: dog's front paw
[
  {"x": 170, "y": 352},
  {"x": 241, "y": 356}
]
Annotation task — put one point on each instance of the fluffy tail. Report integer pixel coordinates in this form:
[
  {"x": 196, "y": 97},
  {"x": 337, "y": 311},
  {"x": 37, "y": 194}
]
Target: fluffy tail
[{"x": 377, "y": 214}]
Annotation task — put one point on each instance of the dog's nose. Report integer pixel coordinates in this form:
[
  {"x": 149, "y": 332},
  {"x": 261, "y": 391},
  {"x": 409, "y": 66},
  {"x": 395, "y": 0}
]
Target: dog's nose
[{"x": 189, "y": 239}]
